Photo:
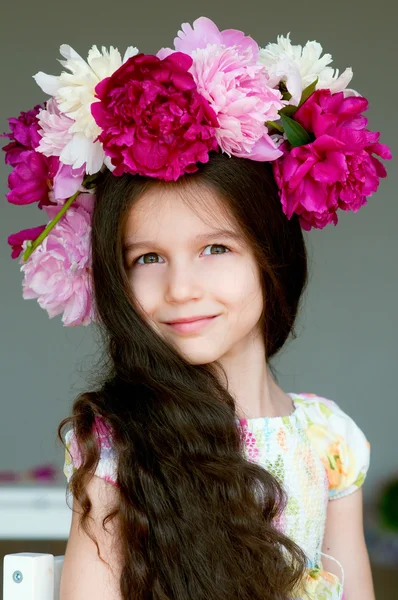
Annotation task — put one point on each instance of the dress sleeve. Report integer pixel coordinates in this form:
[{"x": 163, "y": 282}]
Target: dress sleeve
[
  {"x": 341, "y": 444},
  {"x": 107, "y": 465}
]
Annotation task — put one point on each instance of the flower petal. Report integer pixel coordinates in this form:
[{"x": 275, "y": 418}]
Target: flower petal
[{"x": 48, "y": 83}]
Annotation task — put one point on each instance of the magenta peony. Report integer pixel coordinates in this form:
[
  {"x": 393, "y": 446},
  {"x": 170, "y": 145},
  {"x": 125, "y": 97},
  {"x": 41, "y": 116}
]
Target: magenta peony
[
  {"x": 31, "y": 179},
  {"x": 24, "y": 135},
  {"x": 33, "y": 174},
  {"x": 154, "y": 121},
  {"x": 336, "y": 170},
  {"x": 58, "y": 273},
  {"x": 16, "y": 240}
]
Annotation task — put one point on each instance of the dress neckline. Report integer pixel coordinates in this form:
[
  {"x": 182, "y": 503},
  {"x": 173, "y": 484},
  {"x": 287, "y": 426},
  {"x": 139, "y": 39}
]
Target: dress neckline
[{"x": 280, "y": 419}]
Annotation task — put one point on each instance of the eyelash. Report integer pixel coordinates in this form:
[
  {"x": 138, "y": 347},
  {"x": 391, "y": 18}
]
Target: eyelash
[{"x": 135, "y": 262}]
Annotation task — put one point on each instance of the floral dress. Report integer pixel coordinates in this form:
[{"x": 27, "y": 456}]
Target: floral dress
[{"x": 318, "y": 454}]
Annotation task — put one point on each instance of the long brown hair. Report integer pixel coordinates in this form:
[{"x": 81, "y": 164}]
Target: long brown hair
[{"x": 197, "y": 519}]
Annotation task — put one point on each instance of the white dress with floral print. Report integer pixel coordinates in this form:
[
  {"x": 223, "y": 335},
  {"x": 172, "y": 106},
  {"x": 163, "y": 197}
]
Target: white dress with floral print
[{"x": 318, "y": 454}]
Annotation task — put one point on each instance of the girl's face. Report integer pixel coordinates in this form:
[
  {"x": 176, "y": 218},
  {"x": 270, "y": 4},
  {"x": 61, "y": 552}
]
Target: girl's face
[{"x": 193, "y": 273}]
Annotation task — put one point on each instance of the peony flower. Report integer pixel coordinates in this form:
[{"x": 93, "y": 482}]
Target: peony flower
[
  {"x": 237, "y": 90},
  {"x": 58, "y": 273},
  {"x": 67, "y": 182},
  {"x": 298, "y": 67},
  {"x": 31, "y": 179},
  {"x": 24, "y": 135},
  {"x": 336, "y": 170},
  {"x": 54, "y": 130},
  {"x": 16, "y": 240},
  {"x": 205, "y": 32},
  {"x": 154, "y": 122},
  {"x": 74, "y": 94}
]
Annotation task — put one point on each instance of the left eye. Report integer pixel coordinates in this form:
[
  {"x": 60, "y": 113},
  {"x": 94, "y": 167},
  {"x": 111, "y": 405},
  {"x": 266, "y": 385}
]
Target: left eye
[{"x": 216, "y": 249}]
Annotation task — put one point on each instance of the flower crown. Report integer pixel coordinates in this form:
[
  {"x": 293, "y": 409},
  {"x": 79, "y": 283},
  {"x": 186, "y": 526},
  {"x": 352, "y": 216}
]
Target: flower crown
[{"x": 160, "y": 116}]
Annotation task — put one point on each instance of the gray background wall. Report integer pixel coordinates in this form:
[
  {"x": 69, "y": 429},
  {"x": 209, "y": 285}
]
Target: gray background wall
[{"x": 347, "y": 347}]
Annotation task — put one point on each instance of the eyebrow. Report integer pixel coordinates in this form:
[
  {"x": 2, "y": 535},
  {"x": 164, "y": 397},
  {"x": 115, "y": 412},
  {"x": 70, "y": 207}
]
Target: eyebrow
[{"x": 211, "y": 235}]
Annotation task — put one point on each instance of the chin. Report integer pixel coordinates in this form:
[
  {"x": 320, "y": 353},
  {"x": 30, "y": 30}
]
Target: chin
[{"x": 199, "y": 356}]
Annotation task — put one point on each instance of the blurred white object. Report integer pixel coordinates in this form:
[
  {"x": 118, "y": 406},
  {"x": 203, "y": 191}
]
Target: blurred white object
[
  {"x": 34, "y": 512},
  {"x": 31, "y": 576}
]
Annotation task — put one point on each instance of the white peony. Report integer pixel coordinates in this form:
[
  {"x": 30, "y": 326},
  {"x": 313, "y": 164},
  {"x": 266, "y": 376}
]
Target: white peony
[
  {"x": 74, "y": 93},
  {"x": 299, "y": 66}
]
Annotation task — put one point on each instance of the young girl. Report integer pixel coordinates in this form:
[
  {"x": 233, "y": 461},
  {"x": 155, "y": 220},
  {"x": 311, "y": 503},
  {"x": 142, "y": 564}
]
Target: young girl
[{"x": 194, "y": 475}]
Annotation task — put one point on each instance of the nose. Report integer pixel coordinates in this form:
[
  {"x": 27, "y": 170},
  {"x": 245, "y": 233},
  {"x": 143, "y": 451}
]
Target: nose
[{"x": 183, "y": 283}]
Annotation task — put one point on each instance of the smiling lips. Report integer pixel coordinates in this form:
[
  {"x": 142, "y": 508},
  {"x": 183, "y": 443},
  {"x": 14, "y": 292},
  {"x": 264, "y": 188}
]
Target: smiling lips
[{"x": 190, "y": 324}]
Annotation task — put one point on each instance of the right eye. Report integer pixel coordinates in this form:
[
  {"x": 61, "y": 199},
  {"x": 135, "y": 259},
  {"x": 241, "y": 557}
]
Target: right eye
[{"x": 148, "y": 259}]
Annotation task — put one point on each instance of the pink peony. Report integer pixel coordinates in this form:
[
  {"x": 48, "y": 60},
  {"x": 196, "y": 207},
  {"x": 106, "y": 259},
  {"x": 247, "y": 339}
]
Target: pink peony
[
  {"x": 54, "y": 130},
  {"x": 205, "y": 32},
  {"x": 16, "y": 240},
  {"x": 154, "y": 122},
  {"x": 238, "y": 92},
  {"x": 58, "y": 273},
  {"x": 67, "y": 182},
  {"x": 337, "y": 169}
]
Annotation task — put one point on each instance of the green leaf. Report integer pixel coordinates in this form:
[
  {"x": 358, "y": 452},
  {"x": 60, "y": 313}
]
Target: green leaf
[
  {"x": 286, "y": 95},
  {"x": 274, "y": 125},
  {"x": 310, "y": 89},
  {"x": 295, "y": 133},
  {"x": 306, "y": 93},
  {"x": 288, "y": 110}
]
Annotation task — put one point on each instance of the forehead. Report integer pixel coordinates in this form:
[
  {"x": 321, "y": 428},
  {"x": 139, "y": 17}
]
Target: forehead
[{"x": 179, "y": 211}]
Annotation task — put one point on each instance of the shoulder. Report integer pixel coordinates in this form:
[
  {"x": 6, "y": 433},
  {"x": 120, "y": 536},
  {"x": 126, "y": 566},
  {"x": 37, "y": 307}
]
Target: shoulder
[
  {"x": 107, "y": 464},
  {"x": 340, "y": 442}
]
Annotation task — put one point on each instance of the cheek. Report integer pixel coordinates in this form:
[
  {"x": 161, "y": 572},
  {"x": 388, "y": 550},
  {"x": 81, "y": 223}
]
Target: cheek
[
  {"x": 146, "y": 290},
  {"x": 240, "y": 286}
]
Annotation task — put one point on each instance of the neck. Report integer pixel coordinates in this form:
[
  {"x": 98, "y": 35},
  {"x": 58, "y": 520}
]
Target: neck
[{"x": 250, "y": 382}]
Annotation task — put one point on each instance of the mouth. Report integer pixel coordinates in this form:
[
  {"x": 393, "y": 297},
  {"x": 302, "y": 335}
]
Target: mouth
[{"x": 191, "y": 324}]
